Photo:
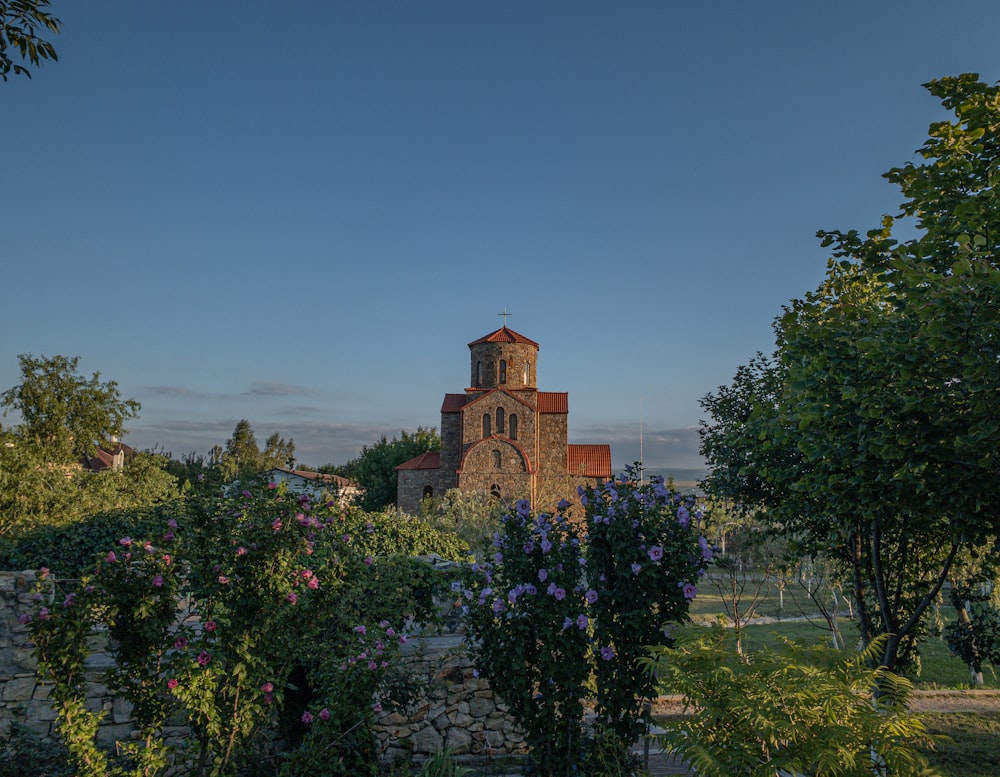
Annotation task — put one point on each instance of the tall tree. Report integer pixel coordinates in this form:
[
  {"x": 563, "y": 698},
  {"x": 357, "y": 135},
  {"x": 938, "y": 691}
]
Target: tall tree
[
  {"x": 63, "y": 414},
  {"x": 375, "y": 467},
  {"x": 875, "y": 435},
  {"x": 242, "y": 457},
  {"x": 22, "y": 23}
]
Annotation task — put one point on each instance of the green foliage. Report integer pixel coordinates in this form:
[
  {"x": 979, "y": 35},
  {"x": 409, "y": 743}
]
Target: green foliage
[
  {"x": 375, "y": 467},
  {"x": 442, "y": 764},
  {"x": 292, "y": 651},
  {"x": 23, "y": 753},
  {"x": 555, "y": 613},
  {"x": 975, "y": 635},
  {"x": 63, "y": 415},
  {"x": 873, "y": 435},
  {"x": 21, "y": 22},
  {"x": 473, "y": 517},
  {"x": 792, "y": 709},
  {"x": 69, "y": 550},
  {"x": 390, "y": 531},
  {"x": 242, "y": 459}
]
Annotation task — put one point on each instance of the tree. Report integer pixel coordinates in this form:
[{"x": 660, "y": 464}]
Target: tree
[
  {"x": 63, "y": 414},
  {"x": 243, "y": 458},
  {"x": 375, "y": 467},
  {"x": 21, "y": 23},
  {"x": 874, "y": 435}
]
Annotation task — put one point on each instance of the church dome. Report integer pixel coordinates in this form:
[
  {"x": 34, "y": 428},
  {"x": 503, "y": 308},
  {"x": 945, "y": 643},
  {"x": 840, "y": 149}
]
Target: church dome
[{"x": 504, "y": 359}]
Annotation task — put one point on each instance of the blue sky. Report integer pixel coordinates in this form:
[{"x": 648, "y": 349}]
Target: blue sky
[{"x": 301, "y": 214}]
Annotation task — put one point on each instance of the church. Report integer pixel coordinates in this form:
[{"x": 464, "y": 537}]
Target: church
[{"x": 503, "y": 436}]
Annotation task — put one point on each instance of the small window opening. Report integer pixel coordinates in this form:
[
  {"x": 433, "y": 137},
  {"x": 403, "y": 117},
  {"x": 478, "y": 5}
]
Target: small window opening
[{"x": 512, "y": 426}]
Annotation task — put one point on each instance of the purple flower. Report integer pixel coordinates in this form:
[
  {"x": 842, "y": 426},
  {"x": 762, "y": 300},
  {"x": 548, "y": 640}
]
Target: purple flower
[
  {"x": 563, "y": 504},
  {"x": 24, "y": 619},
  {"x": 498, "y": 606},
  {"x": 158, "y": 581},
  {"x": 706, "y": 549},
  {"x": 125, "y": 542},
  {"x": 307, "y": 717},
  {"x": 172, "y": 683},
  {"x": 567, "y": 622},
  {"x": 361, "y": 629},
  {"x": 590, "y": 596},
  {"x": 523, "y": 507},
  {"x": 543, "y": 575},
  {"x": 209, "y": 625},
  {"x": 180, "y": 643},
  {"x": 498, "y": 558},
  {"x": 204, "y": 657},
  {"x": 683, "y": 516},
  {"x": 636, "y": 569},
  {"x": 607, "y": 653},
  {"x": 69, "y": 601},
  {"x": 292, "y": 598},
  {"x": 546, "y": 546},
  {"x": 376, "y": 707},
  {"x": 368, "y": 561},
  {"x": 655, "y": 553},
  {"x": 690, "y": 592},
  {"x": 582, "y": 621},
  {"x": 559, "y": 594},
  {"x": 111, "y": 558}
]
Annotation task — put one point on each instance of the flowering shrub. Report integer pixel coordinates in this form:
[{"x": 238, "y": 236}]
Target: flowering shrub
[
  {"x": 555, "y": 611},
  {"x": 285, "y": 661}
]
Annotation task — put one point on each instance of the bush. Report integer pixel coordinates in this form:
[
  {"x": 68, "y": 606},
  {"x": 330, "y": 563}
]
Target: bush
[{"x": 291, "y": 655}]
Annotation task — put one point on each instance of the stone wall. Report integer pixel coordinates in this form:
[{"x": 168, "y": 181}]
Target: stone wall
[{"x": 458, "y": 709}]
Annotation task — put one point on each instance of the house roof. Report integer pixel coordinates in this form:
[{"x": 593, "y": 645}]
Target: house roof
[
  {"x": 102, "y": 458},
  {"x": 453, "y": 403},
  {"x": 593, "y": 461},
  {"x": 431, "y": 460},
  {"x": 553, "y": 402},
  {"x": 322, "y": 477},
  {"x": 548, "y": 401},
  {"x": 504, "y": 335}
]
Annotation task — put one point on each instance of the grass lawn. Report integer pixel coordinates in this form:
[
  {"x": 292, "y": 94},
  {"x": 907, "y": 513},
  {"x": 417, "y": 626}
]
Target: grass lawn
[
  {"x": 966, "y": 744},
  {"x": 939, "y": 668}
]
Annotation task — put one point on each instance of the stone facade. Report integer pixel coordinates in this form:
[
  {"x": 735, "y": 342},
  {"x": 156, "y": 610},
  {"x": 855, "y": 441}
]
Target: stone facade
[{"x": 503, "y": 436}]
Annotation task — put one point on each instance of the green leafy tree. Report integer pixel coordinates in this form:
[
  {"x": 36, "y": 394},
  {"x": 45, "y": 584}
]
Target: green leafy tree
[
  {"x": 375, "y": 467},
  {"x": 874, "y": 436},
  {"x": 242, "y": 458},
  {"x": 64, "y": 415},
  {"x": 22, "y": 23}
]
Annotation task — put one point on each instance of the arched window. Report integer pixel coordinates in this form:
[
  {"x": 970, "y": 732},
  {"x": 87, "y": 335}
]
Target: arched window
[
  {"x": 512, "y": 426},
  {"x": 479, "y": 373},
  {"x": 503, "y": 370},
  {"x": 499, "y": 420},
  {"x": 526, "y": 373},
  {"x": 495, "y": 491},
  {"x": 496, "y": 459},
  {"x": 486, "y": 424},
  {"x": 428, "y": 492}
]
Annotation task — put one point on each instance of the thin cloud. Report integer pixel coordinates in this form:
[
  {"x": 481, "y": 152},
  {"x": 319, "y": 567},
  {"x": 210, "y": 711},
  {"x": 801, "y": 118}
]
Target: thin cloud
[{"x": 268, "y": 389}]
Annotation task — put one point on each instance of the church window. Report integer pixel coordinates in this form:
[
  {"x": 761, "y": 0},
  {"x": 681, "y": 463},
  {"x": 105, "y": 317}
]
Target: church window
[
  {"x": 499, "y": 420},
  {"x": 526, "y": 373},
  {"x": 503, "y": 370},
  {"x": 486, "y": 424},
  {"x": 495, "y": 491},
  {"x": 496, "y": 459},
  {"x": 512, "y": 426},
  {"x": 428, "y": 492},
  {"x": 479, "y": 373}
]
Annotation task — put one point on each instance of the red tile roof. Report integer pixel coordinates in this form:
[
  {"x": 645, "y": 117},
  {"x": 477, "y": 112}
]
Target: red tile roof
[
  {"x": 553, "y": 402},
  {"x": 423, "y": 461},
  {"x": 593, "y": 461},
  {"x": 504, "y": 335},
  {"x": 453, "y": 403}
]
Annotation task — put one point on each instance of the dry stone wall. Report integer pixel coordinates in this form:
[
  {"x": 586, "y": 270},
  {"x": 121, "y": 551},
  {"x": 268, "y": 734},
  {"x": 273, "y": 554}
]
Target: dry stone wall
[{"x": 458, "y": 709}]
